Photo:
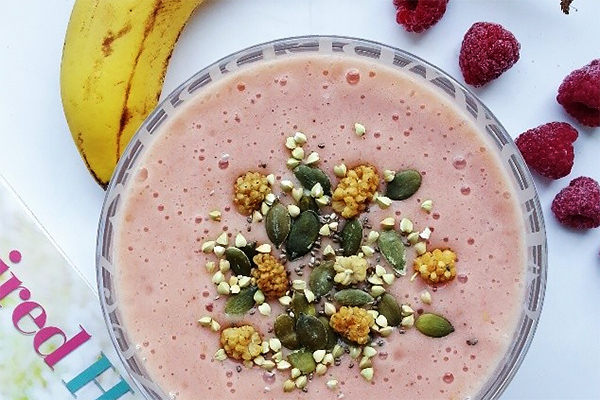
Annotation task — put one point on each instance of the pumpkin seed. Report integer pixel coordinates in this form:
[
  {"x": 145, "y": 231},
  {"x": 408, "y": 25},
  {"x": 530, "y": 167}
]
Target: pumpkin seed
[
  {"x": 238, "y": 261},
  {"x": 331, "y": 340},
  {"x": 390, "y": 309},
  {"x": 309, "y": 176},
  {"x": 321, "y": 279},
  {"x": 303, "y": 360},
  {"x": 353, "y": 297},
  {"x": 285, "y": 331},
  {"x": 300, "y": 305},
  {"x": 434, "y": 325},
  {"x": 241, "y": 302},
  {"x": 405, "y": 184},
  {"x": 392, "y": 248},
  {"x": 278, "y": 223},
  {"x": 303, "y": 233},
  {"x": 311, "y": 332},
  {"x": 250, "y": 251},
  {"x": 308, "y": 203},
  {"x": 351, "y": 236}
]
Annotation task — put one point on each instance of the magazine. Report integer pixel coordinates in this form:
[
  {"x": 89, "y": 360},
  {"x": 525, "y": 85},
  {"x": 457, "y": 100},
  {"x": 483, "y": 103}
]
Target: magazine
[{"x": 53, "y": 338}]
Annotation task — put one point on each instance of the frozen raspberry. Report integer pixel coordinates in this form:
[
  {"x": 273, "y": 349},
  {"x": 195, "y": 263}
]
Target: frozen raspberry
[
  {"x": 548, "y": 149},
  {"x": 578, "y": 205},
  {"x": 419, "y": 15},
  {"x": 579, "y": 94},
  {"x": 487, "y": 51}
]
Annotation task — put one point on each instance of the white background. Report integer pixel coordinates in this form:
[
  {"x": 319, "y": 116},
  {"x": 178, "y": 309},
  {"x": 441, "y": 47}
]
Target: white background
[{"x": 39, "y": 159}]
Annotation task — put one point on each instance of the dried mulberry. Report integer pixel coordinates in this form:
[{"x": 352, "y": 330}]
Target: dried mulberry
[{"x": 271, "y": 276}]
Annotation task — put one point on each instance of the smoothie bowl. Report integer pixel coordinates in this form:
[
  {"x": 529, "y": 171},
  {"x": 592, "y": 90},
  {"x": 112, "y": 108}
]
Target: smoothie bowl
[{"x": 321, "y": 218}]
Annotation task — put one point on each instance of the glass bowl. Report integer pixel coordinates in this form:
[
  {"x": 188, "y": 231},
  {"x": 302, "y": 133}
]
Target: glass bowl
[{"x": 520, "y": 178}]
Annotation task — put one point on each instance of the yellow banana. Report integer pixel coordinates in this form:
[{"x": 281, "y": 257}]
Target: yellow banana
[{"x": 113, "y": 66}]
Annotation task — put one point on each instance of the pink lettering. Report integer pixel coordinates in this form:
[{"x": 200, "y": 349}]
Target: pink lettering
[
  {"x": 26, "y": 309},
  {"x": 12, "y": 284},
  {"x": 64, "y": 349},
  {"x": 3, "y": 267}
]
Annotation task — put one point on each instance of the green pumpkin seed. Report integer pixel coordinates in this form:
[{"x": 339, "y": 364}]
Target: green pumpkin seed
[
  {"x": 285, "y": 331},
  {"x": 405, "y": 184},
  {"x": 351, "y": 236},
  {"x": 250, "y": 251},
  {"x": 353, "y": 297},
  {"x": 309, "y": 176},
  {"x": 278, "y": 223},
  {"x": 434, "y": 325},
  {"x": 391, "y": 246},
  {"x": 331, "y": 340},
  {"x": 300, "y": 305},
  {"x": 308, "y": 203},
  {"x": 303, "y": 233},
  {"x": 303, "y": 360},
  {"x": 238, "y": 261},
  {"x": 321, "y": 279},
  {"x": 390, "y": 309},
  {"x": 311, "y": 332},
  {"x": 242, "y": 302}
]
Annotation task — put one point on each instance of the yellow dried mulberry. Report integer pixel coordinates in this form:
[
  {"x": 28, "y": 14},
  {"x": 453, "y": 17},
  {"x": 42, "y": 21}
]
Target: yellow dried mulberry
[
  {"x": 241, "y": 343},
  {"x": 350, "y": 270},
  {"x": 271, "y": 276},
  {"x": 354, "y": 323},
  {"x": 355, "y": 191},
  {"x": 250, "y": 190},
  {"x": 436, "y": 266}
]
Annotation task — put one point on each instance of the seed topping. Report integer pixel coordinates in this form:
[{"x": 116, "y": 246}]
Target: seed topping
[{"x": 336, "y": 299}]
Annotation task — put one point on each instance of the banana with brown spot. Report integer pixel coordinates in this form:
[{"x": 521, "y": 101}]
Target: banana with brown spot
[{"x": 114, "y": 61}]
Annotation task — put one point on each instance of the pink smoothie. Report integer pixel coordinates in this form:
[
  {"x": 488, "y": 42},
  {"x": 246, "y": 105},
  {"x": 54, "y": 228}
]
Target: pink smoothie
[{"x": 244, "y": 119}]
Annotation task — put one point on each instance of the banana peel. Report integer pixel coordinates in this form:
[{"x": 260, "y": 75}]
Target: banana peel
[{"x": 114, "y": 62}]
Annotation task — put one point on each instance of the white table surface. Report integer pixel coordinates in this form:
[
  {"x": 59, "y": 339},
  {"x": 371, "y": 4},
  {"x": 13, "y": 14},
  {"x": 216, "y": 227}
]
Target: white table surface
[{"x": 39, "y": 159}]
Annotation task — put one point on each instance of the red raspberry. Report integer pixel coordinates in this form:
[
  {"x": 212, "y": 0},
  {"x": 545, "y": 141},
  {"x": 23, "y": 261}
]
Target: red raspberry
[
  {"x": 579, "y": 94},
  {"x": 578, "y": 205},
  {"x": 419, "y": 15},
  {"x": 487, "y": 51},
  {"x": 548, "y": 149}
]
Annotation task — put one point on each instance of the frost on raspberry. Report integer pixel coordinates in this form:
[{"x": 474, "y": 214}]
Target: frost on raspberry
[
  {"x": 578, "y": 205},
  {"x": 548, "y": 149},
  {"x": 579, "y": 94},
  {"x": 488, "y": 50},
  {"x": 419, "y": 15}
]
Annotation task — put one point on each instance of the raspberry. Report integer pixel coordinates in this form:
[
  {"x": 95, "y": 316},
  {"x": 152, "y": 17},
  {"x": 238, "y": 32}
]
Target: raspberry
[
  {"x": 578, "y": 205},
  {"x": 548, "y": 149},
  {"x": 488, "y": 50},
  {"x": 579, "y": 94},
  {"x": 419, "y": 15}
]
